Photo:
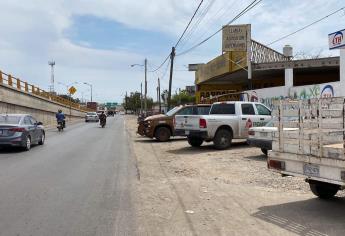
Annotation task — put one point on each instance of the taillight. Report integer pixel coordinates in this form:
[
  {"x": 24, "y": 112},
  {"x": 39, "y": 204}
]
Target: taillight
[
  {"x": 251, "y": 132},
  {"x": 17, "y": 129},
  {"x": 278, "y": 165},
  {"x": 202, "y": 123}
]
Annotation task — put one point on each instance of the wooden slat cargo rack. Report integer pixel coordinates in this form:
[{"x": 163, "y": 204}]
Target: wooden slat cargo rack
[{"x": 309, "y": 142}]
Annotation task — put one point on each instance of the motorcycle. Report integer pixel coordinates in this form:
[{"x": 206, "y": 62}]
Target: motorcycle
[
  {"x": 102, "y": 123},
  {"x": 60, "y": 126}
]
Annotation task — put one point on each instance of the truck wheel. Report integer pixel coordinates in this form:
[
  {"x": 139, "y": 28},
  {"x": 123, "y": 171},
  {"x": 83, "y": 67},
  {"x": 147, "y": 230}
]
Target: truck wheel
[
  {"x": 323, "y": 190},
  {"x": 264, "y": 151},
  {"x": 195, "y": 142},
  {"x": 222, "y": 139},
  {"x": 162, "y": 134}
]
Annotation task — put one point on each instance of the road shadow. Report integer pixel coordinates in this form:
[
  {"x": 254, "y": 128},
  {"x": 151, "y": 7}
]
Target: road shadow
[
  {"x": 261, "y": 157},
  {"x": 9, "y": 150},
  {"x": 208, "y": 147},
  {"x": 314, "y": 217},
  {"x": 148, "y": 140}
]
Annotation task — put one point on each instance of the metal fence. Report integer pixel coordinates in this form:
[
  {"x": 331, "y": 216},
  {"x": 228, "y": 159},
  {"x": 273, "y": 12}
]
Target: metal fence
[{"x": 16, "y": 83}]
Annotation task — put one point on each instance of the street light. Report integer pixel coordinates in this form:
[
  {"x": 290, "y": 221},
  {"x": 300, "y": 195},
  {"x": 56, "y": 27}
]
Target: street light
[
  {"x": 145, "y": 93},
  {"x": 90, "y": 88}
]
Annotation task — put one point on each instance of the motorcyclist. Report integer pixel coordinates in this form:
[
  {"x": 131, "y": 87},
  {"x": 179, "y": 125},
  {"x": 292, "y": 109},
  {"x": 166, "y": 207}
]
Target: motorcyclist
[
  {"x": 102, "y": 118},
  {"x": 60, "y": 117}
]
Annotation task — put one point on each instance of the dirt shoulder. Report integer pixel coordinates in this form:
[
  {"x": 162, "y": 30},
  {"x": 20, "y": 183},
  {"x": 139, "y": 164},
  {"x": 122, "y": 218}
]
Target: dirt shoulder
[{"x": 183, "y": 190}]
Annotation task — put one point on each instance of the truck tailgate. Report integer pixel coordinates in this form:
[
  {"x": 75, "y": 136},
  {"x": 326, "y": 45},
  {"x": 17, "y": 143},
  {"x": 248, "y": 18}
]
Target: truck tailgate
[{"x": 187, "y": 122}]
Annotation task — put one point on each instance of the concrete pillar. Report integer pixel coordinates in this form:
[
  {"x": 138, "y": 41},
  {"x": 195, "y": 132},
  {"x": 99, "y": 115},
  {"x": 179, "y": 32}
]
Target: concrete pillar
[
  {"x": 342, "y": 68},
  {"x": 26, "y": 87},
  {"x": 287, "y": 51}
]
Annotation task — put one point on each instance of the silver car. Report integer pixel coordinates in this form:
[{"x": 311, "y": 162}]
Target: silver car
[
  {"x": 20, "y": 130},
  {"x": 91, "y": 116}
]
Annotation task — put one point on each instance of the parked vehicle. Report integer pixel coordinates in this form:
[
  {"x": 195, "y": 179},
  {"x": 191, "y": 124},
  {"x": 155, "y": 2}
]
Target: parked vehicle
[
  {"x": 91, "y": 116},
  {"x": 226, "y": 121},
  {"x": 315, "y": 149},
  {"x": 161, "y": 126},
  {"x": 20, "y": 130},
  {"x": 262, "y": 137}
]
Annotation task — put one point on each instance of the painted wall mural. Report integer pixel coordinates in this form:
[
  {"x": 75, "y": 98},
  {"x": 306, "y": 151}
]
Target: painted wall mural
[{"x": 305, "y": 92}]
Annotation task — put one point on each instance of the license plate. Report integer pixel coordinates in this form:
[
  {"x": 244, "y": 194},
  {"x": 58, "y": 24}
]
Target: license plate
[
  {"x": 263, "y": 134},
  {"x": 311, "y": 170},
  {"x": 186, "y": 132}
]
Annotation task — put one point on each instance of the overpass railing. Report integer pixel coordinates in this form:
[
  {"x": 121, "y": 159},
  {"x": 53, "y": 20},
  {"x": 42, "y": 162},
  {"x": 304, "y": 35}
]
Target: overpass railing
[{"x": 16, "y": 83}]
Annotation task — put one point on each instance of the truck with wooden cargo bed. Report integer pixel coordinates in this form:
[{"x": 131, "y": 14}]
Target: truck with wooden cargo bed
[{"x": 312, "y": 146}]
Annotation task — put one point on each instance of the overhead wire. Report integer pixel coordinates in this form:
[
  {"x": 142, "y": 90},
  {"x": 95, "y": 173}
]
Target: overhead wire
[
  {"x": 216, "y": 17},
  {"x": 190, "y": 21},
  {"x": 307, "y": 26},
  {"x": 244, "y": 11},
  {"x": 179, "y": 40},
  {"x": 195, "y": 26}
]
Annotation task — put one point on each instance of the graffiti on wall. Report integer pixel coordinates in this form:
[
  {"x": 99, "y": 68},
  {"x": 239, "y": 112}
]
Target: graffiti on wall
[{"x": 315, "y": 91}]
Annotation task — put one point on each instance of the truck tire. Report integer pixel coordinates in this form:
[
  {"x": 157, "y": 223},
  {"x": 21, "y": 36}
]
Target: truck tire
[
  {"x": 222, "y": 139},
  {"x": 323, "y": 190},
  {"x": 264, "y": 151},
  {"x": 162, "y": 134},
  {"x": 195, "y": 142}
]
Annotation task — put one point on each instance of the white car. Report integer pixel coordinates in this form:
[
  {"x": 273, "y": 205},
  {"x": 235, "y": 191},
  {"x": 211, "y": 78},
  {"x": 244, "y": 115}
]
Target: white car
[
  {"x": 262, "y": 137},
  {"x": 91, "y": 116}
]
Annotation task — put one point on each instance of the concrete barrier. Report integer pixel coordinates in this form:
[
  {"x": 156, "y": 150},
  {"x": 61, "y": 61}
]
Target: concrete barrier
[{"x": 14, "y": 100}]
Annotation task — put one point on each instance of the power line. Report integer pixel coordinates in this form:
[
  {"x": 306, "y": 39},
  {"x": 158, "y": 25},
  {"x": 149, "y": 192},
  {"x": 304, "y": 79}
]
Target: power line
[
  {"x": 160, "y": 66},
  {"x": 197, "y": 23},
  {"x": 190, "y": 21},
  {"x": 244, "y": 11},
  {"x": 307, "y": 26}
]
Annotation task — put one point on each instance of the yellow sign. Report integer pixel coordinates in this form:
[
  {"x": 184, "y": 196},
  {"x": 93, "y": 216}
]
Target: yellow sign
[
  {"x": 72, "y": 90},
  {"x": 226, "y": 63},
  {"x": 235, "y": 38}
]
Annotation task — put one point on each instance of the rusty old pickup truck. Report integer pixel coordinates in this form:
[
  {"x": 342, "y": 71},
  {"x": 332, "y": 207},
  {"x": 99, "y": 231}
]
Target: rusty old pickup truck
[{"x": 161, "y": 126}]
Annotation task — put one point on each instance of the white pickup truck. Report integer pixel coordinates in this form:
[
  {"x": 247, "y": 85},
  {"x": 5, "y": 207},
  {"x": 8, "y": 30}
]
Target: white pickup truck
[
  {"x": 313, "y": 146},
  {"x": 226, "y": 121}
]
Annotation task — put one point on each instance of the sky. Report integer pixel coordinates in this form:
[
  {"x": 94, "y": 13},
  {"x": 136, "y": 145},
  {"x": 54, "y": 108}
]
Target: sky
[{"x": 96, "y": 41}]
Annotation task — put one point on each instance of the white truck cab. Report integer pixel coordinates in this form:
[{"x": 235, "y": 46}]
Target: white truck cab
[{"x": 226, "y": 121}]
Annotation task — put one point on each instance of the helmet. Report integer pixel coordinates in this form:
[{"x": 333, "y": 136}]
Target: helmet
[{"x": 59, "y": 110}]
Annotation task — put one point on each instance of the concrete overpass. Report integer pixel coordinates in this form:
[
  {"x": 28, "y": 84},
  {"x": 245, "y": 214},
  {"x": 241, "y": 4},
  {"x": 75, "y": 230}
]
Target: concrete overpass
[{"x": 17, "y": 96}]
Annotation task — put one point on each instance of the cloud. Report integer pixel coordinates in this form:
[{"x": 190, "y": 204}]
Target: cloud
[{"x": 34, "y": 32}]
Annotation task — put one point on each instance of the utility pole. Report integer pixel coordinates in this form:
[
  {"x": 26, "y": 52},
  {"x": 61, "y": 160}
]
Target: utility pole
[
  {"x": 172, "y": 56},
  {"x": 52, "y": 64},
  {"x": 141, "y": 98},
  {"x": 126, "y": 103},
  {"x": 145, "y": 86},
  {"x": 159, "y": 96}
]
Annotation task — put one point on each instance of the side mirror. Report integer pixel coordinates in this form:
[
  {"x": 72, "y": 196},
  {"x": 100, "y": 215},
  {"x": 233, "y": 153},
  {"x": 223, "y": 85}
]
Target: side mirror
[{"x": 39, "y": 123}]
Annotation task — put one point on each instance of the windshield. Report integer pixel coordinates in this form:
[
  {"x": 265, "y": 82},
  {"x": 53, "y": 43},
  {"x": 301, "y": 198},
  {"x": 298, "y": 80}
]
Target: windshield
[
  {"x": 91, "y": 113},
  {"x": 172, "y": 111},
  {"x": 13, "y": 120}
]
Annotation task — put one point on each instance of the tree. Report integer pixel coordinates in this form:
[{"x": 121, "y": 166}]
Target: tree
[
  {"x": 182, "y": 98},
  {"x": 67, "y": 97},
  {"x": 133, "y": 102}
]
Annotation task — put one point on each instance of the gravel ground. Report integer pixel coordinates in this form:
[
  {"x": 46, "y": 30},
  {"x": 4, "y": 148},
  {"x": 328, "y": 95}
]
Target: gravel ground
[{"x": 202, "y": 191}]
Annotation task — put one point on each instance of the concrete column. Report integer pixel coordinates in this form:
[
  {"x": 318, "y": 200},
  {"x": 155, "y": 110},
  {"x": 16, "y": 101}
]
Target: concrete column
[
  {"x": 287, "y": 51},
  {"x": 342, "y": 68}
]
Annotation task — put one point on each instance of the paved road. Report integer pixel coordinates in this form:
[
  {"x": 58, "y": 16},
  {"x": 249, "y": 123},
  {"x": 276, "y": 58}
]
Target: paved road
[{"x": 78, "y": 183}]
